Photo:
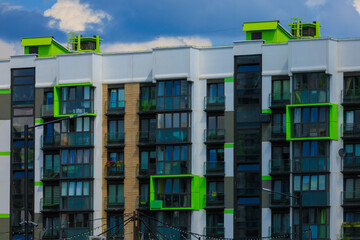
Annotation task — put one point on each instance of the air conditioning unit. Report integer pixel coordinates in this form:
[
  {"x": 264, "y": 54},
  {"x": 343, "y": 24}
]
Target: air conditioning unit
[{"x": 97, "y": 238}]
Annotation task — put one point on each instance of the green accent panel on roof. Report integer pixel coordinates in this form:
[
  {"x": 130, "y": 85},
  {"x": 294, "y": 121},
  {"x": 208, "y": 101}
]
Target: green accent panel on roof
[
  {"x": 198, "y": 193},
  {"x": 37, "y": 183},
  {"x": 36, "y": 41},
  {"x": 228, "y": 145},
  {"x": 39, "y": 120},
  {"x": 4, "y": 215},
  {"x": 5, "y": 153},
  {"x": 266, "y": 177},
  {"x": 229, "y": 80},
  {"x": 5, "y": 91},
  {"x": 333, "y": 121},
  {"x": 229, "y": 211},
  {"x": 266, "y": 111},
  {"x": 258, "y": 26}
]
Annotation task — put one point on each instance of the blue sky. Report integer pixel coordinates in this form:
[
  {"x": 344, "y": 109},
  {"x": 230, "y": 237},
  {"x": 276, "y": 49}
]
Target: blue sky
[{"x": 127, "y": 25}]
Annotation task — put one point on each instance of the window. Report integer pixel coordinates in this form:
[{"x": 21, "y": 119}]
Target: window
[
  {"x": 147, "y": 100},
  {"x": 215, "y": 94},
  {"x": 311, "y": 88},
  {"x": 147, "y": 130},
  {"x": 215, "y": 224},
  {"x": 280, "y": 186},
  {"x": 248, "y": 146},
  {"x": 352, "y": 122},
  {"x": 278, "y": 127},
  {"x": 317, "y": 219},
  {"x": 173, "y": 159},
  {"x": 351, "y": 87},
  {"x": 76, "y": 163},
  {"x": 256, "y": 35},
  {"x": 174, "y": 192},
  {"x": 311, "y": 156},
  {"x": 248, "y": 220},
  {"x": 215, "y": 160},
  {"x": 51, "y": 167},
  {"x": 115, "y": 164},
  {"x": 76, "y": 195},
  {"x": 248, "y": 179},
  {"x": 76, "y": 100},
  {"x": 215, "y": 193},
  {"x": 144, "y": 194},
  {"x": 173, "y": 127},
  {"x": 280, "y": 224},
  {"x": 115, "y": 195},
  {"x": 310, "y": 122},
  {"x": 314, "y": 189},
  {"x": 352, "y": 189},
  {"x": 178, "y": 219},
  {"x": 33, "y": 50},
  {"x": 51, "y": 224},
  {"x": 78, "y": 131},
  {"x": 147, "y": 162},
  {"x": 116, "y": 131},
  {"x": 51, "y": 197},
  {"x": 173, "y": 95},
  {"x": 280, "y": 159},
  {"x": 215, "y": 128},
  {"x": 351, "y": 161},
  {"x": 116, "y": 98},
  {"x": 72, "y": 223},
  {"x": 115, "y": 226},
  {"x": 280, "y": 90}
]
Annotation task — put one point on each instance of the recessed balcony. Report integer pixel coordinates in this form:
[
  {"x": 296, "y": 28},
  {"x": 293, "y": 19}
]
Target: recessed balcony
[
  {"x": 279, "y": 166},
  {"x": 213, "y": 136},
  {"x": 115, "y": 107},
  {"x": 214, "y": 103},
  {"x": 214, "y": 168},
  {"x": 215, "y": 200},
  {"x": 147, "y": 106},
  {"x": 146, "y": 138},
  {"x": 47, "y": 110},
  {"x": 114, "y": 203},
  {"x": 115, "y": 139}
]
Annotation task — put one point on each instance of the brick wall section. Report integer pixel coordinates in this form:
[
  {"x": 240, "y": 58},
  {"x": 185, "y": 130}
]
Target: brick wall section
[
  {"x": 104, "y": 155},
  {"x": 131, "y": 152}
]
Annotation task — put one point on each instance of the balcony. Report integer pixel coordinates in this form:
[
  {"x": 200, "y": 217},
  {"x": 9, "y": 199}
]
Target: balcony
[
  {"x": 181, "y": 135},
  {"x": 351, "y": 230},
  {"x": 52, "y": 233},
  {"x": 351, "y": 164},
  {"x": 278, "y": 133},
  {"x": 114, "y": 172},
  {"x": 280, "y": 232},
  {"x": 146, "y": 138},
  {"x": 214, "y": 232},
  {"x": 214, "y": 168},
  {"x": 279, "y": 166},
  {"x": 114, "y": 204},
  {"x": 180, "y": 200},
  {"x": 50, "y": 141},
  {"x": 115, "y": 107},
  {"x": 310, "y": 130},
  {"x": 173, "y": 103},
  {"x": 75, "y": 203},
  {"x": 214, "y": 136},
  {"x": 350, "y": 130},
  {"x": 214, "y": 104},
  {"x": 115, "y": 139},
  {"x": 172, "y": 167},
  {"x": 277, "y": 101},
  {"x": 50, "y": 174},
  {"x": 143, "y": 202},
  {"x": 144, "y": 171},
  {"x": 313, "y": 164},
  {"x": 215, "y": 200},
  {"x": 50, "y": 204},
  {"x": 279, "y": 201},
  {"x": 350, "y": 96},
  {"x": 47, "y": 110},
  {"x": 77, "y": 139},
  {"x": 146, "y": 106},
  {"x": 76, "y": 107},
  {"x": 350, "y": 198}
]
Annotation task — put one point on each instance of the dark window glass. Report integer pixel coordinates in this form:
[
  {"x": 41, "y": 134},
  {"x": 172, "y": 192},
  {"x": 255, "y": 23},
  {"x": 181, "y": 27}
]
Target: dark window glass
[
  {"x": 23, "y": 95},
  {"x": 256, "y": 35},
  {"x": 311, "y": 88},
  {"x": 33, "y": 50},
  {"x": 23, "y": 72}
]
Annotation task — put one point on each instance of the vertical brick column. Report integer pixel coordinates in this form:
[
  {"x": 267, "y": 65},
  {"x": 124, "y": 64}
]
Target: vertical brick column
[
  {"x": 131, "y": 152},
  {"x": 104, "y": 156}
]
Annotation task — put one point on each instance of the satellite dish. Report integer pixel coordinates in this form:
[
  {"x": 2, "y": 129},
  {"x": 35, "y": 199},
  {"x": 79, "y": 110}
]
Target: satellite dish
[{"x": 342, "y": 153}]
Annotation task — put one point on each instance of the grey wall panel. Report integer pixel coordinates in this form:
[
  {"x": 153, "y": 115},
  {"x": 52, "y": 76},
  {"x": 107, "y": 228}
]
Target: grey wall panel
[
  {"x": 229, "y": 192},
  {"x": 5, "y": 100},
  {"x": 265, "y": 195},
  {"x": 39, "y": 99},
  {"x": 229, "y": 126},
  {"x": 4, "y": 227}
]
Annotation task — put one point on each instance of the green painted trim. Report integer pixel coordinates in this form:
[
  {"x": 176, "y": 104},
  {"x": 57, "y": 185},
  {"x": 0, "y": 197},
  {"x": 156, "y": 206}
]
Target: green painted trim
[
  {"x": 229, "y": 211},
  {"x": 5, "y": 153},
  {"x": 5, "y": 91},
  {"x": 333, "y": 121},
  {"x": 36, "y": 41},
  {"x": 39, "y": 120},
  {"x": 198, "y": 192},
  {"x": 228, "y": 145},
  {"x": 4, "y": 215},
  {"x": 57, "y": 93},
  {"x": 266, "y": 111},
  {"x": 229, "y": 80},
  {"x": 266, "y": 177},
  {"x": 38, "y": 183}
]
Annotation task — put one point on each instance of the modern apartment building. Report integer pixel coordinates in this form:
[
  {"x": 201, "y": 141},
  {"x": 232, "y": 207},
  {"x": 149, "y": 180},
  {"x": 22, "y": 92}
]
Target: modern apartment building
[{"x": 184, "y": 138}]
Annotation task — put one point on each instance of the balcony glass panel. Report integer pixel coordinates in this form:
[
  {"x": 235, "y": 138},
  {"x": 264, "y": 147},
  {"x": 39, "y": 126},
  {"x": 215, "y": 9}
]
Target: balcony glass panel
[
  {"x": 214, "y": 103},
  {"x": 214, "y": 135},
  {"x": 279, "y": 166}
]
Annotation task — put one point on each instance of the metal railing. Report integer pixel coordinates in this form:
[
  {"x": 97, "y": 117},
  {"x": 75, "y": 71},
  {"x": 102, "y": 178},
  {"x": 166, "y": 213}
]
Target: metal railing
[
  {"x": 215, "y": 199},
  {"x": 115, "y": 107},
  {"x": 114, "y": 204},
  {"x": 215, "y": 232},
  {"x": 115, "y": 138},
  {"x": 179, "y": 200},
  {"x": 146, "y": 137},
  {"x": 172, "y": 167},
  {"x": 145, "y": 170},
  {"x": 50, "y": 203},
  {"x": 280, "y": 232},
  {"x": 77, "y": 107},
  {"x": 114, "y": 171},
  {"x": 279, "y": 101},
  {"x": 351, "y": 164},
  {"x": 350, "y": 130},
  {"x": 214, "y": 135},
  {"x": 214, "y": 168},
  {"x": 146, "y": 105},
  {"x": 50, "y": 173},
  {"x": 278, "y": 166},
  {"x": 173, "y": 103},
  {"x": 214, "y": 103},
  {"x": 308, "y": 130},
  {"x": 143, "y": 202}
]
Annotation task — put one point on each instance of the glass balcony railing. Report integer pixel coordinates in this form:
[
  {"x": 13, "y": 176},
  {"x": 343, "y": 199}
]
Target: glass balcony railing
[
  {"x": 48, "y": 174},
  {"x": 351, "y": 198},
  {"x": 173, "y": 103},
  {"x": 350, "y": 130},
  {"x": 114, "y": 203},
  {"x": 181, "y": 135},
  {"x": 114, "y": 171},
  {"x": 280, "y": 232},
  {"x": 143, "y": 202},
  {"x": 278, "y": 200},
  {"x": 73, "y": 203},
  {"x": 214, "y": 135},
  {"x": 351, "y": 164},
  {"x": 146, "y": 106},
  {"x": 51, "y": 141},
  {"x": 47, "y": 110},
  {"x": 310, "y": 96},
  {"x": 77, "y": 107},
  {"x": 214, "y": 168},
  {"x": 309, "y": 130},
  {"x": 278, "y": 132},
  {"x": 215, "y": 200},
  {"x": 115, "y": 139},
  {"x": 214, "y": 232},
  {"x": 51, "y": 232},
  {"x": 214, "y": 103},
  {"x": 115, "y": 107},
  {"x": 313, "y": 164},
  {"x": 350, "y": 230},
  {"x": 180, "y": 200},
  {"x": 350, "y": 96},
  {"x": 146, "y": 137},
  {"x": 145, "y": 170},
  {"x": 280, "y": 166},
  {"x": 278, "y": 100},
  {"x": 50, "y": 204},
  {"x": 77, "y": 139}
]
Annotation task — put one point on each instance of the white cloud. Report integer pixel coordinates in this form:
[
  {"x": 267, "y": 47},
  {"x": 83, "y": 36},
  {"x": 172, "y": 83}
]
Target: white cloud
[
  {"x": 8, "y": 49},
  {"x": 158, "y": 42},
  {"x": 4, "y": 7},
  {"x": 356, "y": 4},
  {"x": 71, "y": 15},
  {"x": 312, "y": 3}
]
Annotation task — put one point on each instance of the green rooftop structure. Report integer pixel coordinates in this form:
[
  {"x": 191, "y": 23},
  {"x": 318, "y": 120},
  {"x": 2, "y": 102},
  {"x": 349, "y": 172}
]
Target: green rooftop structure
[{"x": 273, "y": 32}]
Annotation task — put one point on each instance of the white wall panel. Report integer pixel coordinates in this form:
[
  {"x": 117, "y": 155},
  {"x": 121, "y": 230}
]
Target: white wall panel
[
  {"x": 5, "y": 76},
  {"x": 275, "y": 59},
  {"x": 216, "y": 62},
  {"x": 74, "y": 68},
  {"x": 171, "y": 63},
  {"x": 46, "y": 72}
]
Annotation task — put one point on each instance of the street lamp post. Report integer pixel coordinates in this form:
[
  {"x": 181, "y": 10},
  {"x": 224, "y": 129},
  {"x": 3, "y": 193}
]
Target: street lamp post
[
  {"x": 300, "y": 206},
  {"x": 26, "y": 176}
]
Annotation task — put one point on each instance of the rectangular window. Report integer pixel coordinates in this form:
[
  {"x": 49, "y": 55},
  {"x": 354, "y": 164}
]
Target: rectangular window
[
  {"x": 311, "y": 156},
  {"x": 311, "y": 87},
  {"x": 173, "y": 95},
  {"x": 76, "y": 163},
  {"x": 76, "y": 195},
  {"x": 173, "y": 159},
  {"x": 174, "y": 192},
  {"x": 173, "y": 127},
  {"x": 314, "y": 189},
  {"x": 310, "y": 122},
  {"x": 280, "y": 94},
  {"x": 77, "y": 100},
  {"x": 351, "y": 88}
]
